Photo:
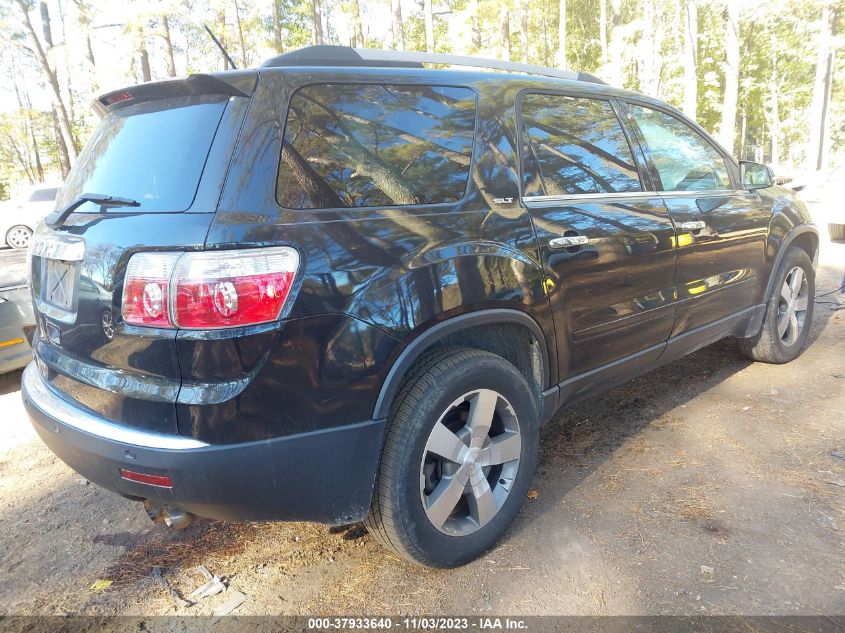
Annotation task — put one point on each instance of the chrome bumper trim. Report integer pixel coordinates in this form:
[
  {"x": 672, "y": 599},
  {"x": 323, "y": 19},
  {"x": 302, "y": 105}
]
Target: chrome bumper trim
[{"x": 48, "y": 402}]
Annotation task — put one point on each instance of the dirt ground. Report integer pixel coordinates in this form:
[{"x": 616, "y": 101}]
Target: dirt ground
[{"x": 710, "y": 486}]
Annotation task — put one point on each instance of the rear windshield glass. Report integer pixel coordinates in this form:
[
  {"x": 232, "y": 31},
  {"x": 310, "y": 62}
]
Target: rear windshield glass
[
  {"x": 376, "y": 145},
  {"x": 153, "y": 152},
  {"x": 43, "y": 195}
]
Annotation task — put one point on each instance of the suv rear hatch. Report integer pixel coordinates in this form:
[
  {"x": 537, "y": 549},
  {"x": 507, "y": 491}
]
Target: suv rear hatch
[{"x": 167, "y": 147}]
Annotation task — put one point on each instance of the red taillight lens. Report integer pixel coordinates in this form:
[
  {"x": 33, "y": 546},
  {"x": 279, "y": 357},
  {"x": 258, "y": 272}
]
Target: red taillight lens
[
  {"x": 210, "y": 290},
  {"x": 146, "y": 290},
  {"x": 231, "y": 301}
]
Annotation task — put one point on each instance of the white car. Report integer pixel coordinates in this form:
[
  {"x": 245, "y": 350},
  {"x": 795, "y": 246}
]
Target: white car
[{"x": 19, "y": 217}]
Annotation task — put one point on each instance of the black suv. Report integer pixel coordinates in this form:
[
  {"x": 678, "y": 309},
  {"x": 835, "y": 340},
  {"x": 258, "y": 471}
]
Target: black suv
[{"x": 345, "y": 286}]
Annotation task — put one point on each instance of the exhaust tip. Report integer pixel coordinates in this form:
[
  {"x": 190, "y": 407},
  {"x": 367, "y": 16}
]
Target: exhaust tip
[
  {"x": 177, "y": 518},
  {"x": 171, "y": 516}
]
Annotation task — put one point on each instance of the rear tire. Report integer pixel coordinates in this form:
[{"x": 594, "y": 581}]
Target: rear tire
[
  {"x": 789, "y": 312},
  {"x": 479, "y": 410},
  {"x": 837, "y": 232}
]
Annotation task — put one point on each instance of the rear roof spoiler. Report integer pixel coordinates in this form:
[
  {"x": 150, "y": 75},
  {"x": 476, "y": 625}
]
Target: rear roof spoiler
[{"x": 235, "y": 83}]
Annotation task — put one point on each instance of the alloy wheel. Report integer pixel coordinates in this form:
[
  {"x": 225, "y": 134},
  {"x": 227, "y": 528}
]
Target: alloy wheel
[
  {"x": 792, "y": 306},
  {"x": 470, "y": 462}
]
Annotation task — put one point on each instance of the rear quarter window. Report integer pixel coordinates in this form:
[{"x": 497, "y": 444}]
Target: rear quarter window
[{"x": 376, "y": 145}]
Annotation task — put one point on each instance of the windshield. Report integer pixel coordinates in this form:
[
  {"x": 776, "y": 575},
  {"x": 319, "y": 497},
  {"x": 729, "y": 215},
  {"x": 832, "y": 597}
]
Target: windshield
[
  {"x": 153, "y": 152},
  {"x": 44, "y": 195}
]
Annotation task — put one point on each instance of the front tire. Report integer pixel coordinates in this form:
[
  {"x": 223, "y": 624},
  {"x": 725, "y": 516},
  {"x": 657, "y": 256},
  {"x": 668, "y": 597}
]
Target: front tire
[
  {"x": 789, "y": 312},
  {"x": 458, "y": 459}
]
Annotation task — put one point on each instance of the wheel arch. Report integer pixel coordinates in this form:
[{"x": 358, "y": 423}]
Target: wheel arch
[
  {"x": 805, "y": 236},
  {"x": 502, "y": 331}
]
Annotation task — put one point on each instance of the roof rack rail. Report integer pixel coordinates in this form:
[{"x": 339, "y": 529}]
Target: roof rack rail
[{"x": 326, "y": 55}]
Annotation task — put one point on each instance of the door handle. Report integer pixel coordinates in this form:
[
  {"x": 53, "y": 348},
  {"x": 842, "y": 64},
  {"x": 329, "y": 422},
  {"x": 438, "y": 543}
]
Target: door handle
[
  {"x": 697, "y": 225},
  {"x": 568, "y": 241}
]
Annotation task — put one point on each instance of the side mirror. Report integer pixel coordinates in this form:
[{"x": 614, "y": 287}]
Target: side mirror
[{"x": 755, "y": 175}]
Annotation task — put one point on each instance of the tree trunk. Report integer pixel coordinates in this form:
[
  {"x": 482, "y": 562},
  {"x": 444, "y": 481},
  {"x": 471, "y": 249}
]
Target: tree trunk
[
  {"x": 168, "y": 47},
  {"x": 505, "y": 26},
  {"x": 45, "y": 24},
  {"x": 429, "y": 26},
  {"x": 221, "y": 35},
  {"x": 277, "y": 25},
  {"x": 22, "y": 160},
  {"x": 648, "y": 49},
  {"x": 523, "y": 31},
  {"x": 476, "y": 25},
  {"x": 317, "y": 19},
  {"x": 603, "y": 34},
  {"x": 25, "y": 106},
  {"x": 244, "y": 60},
  {"x": 89, "y": 54},
  {"x": 146, "y": 74},
  {"x": 39, "y": 168},
  {"x": 83, "y": 10},
  {"x": 817, "y": 108},
  {"x": 65, "y": 130},
  {"x": 64, "y": 150},
  {"x": 824, "y": 146},
  {"x": 398, "y": 29},
  {"x": 561, "y": 36},
  {"x": 616, "y": 48},
  {"x": 728, "y": 126},
  {"x": 690, "y": 59},
  {"x": 774, "y": 105},
  {"x": 546, "y": 44},
  {"x": 357, "y": 24}
]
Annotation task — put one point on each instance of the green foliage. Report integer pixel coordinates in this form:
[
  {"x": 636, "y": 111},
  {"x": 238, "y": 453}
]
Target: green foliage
[{"x": 644, "y": 48}]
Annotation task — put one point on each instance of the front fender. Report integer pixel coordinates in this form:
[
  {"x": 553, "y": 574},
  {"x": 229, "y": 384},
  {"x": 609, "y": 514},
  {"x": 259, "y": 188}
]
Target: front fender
[{"x": 790, "y": 220}]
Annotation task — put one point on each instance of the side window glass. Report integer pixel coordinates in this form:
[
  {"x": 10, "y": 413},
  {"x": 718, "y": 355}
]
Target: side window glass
[
  {"x": 376, "y": 145},
  {"x": 684, "y": 160},
  {"x": 574, "y": 146}
]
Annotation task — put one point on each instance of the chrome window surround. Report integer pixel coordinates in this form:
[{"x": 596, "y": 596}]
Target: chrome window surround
[
  {"x": 53, "y": 406},
  {"x": 539, "y": 202}
]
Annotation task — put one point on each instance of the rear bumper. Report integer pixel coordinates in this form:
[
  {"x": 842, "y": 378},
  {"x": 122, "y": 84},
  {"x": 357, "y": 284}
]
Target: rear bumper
[{"x": 324, "y": 476}]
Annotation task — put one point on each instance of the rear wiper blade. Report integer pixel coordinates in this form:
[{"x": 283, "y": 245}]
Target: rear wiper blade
[{"x": 105, "y": 202}]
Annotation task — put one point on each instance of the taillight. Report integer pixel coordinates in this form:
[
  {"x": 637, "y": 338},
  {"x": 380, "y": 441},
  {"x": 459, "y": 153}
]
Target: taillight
[
  {"x": 208, "y": 290},
  {"x": 146, "y": 291}
]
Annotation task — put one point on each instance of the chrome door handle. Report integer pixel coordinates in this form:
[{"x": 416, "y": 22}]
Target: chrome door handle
[
  {"x": 693, "y": 226},
  {"x": 568, "y": 241}
]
